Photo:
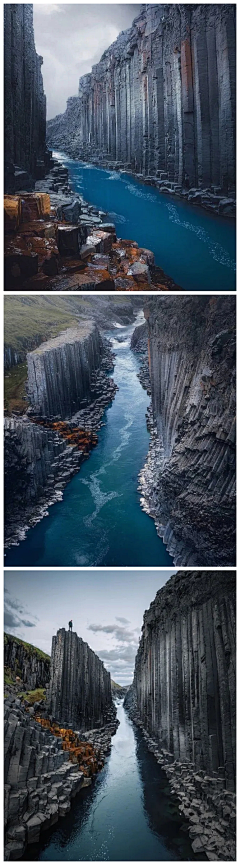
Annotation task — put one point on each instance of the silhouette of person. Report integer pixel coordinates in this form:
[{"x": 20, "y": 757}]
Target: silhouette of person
[{"x": 70, "y": 625}]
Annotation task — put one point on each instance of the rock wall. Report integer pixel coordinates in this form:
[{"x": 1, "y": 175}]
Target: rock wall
[
  {"x": 37, "y": 465},
  {"x": 184, "y": 680},
  {"x": 188, "y": 482},
  {"x": 25, "y": 102},
  {"x": 79, "y": 693},
  {"x": 59, "y": 371},
  {"x": 27, "y": 662},
  {"x": 161, "y": 101},
  {"x": 40, "y": 780}
]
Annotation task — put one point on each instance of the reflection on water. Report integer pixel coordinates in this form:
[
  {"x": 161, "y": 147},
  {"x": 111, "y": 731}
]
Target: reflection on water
[{"x": 128, "y": 815}]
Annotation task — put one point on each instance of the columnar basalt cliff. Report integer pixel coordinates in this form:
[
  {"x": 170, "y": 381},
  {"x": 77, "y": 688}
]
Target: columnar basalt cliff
[
  {"x": 59, "y": 371},
  {"x": 66, "y": 379},
  {"x": 161, "y": 101},
  {"x": 79, "y": 692},
  {"x": 26, "y": 662},
  {"x": 183, "y": 697},
  {"x": 188, "y": 482},
  {"x": 25, "y": 102}
]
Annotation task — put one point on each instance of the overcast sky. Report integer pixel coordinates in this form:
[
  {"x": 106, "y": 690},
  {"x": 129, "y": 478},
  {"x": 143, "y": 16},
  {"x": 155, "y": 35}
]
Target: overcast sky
[
  {"x": 71, "y": 37},
  {"x": 106, "y": 607}
]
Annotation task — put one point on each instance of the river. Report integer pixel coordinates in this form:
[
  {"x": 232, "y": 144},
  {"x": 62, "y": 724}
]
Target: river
[
  {"x": 129, "y": 813},
  {"x": 193, "y": 246},
  {"x": 99, "y": 520}
]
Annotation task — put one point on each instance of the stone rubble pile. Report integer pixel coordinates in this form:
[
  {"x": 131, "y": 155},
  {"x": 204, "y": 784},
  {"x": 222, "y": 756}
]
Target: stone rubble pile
[{"x": 55, "y": 241}]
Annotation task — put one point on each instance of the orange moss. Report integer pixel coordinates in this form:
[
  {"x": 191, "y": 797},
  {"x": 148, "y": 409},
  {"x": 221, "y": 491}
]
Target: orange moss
[
  {"x": 82, "y": 753},
  {"x": 85, "y": 440}
]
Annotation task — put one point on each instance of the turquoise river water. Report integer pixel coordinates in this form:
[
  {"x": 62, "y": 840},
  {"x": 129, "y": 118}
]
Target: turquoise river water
[
  {"x": 128, "y": 814},
  {"x": 99, "y": 520},
  {"x": 193, "y": 246}
]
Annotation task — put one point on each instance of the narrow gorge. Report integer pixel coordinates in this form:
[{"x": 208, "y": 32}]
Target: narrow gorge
[
  {"x": 183, "y": 358},
  {"x": 183, "y": 698},
  {"x": 161, "y": 103}
]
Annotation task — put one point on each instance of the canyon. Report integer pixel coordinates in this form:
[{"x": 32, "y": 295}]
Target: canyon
[
  {"x": 188, "y": 482},
  {"x": 183, "y": 699},
  {"x": 46, "y": 765},
  {"x": 26, "y": 156},
  {"x": 186, "y": 351},
  {"x": 161, "y": 103}
]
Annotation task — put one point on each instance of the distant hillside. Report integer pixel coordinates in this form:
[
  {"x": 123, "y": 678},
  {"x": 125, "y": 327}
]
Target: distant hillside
[
  {"x": 30, "y": 320},
  {"x": 24, "y": 663},
  {"x": 118, "y": 688}
]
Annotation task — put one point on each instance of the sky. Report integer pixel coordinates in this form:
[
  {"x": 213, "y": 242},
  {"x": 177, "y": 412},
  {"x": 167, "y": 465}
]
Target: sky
[
  {"x": 71, "y": 37},
  {"x": 106, "y": 607}
]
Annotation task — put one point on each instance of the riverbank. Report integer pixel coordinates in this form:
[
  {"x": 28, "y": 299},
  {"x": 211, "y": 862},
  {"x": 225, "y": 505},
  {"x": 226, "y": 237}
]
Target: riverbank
[
  {"x": 41, "y": 780},
  {"x": 128, "y": 814},
  {"x": 56, "y": 241},
  {"x": 210, "y": 809},
  {"x": 51, "y": 449}
]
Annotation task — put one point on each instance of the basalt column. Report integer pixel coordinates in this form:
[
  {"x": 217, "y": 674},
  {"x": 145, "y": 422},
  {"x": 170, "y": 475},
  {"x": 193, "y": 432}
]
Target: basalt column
[
  {"x": 25, "y": 101},
  {"x": 79, "y": 693},
  {"x": 188, "y": 482},
  {"x": 161, "y": 101},
  {"x": 59, "y": 371},
  {"x": 184, "y": 680}
]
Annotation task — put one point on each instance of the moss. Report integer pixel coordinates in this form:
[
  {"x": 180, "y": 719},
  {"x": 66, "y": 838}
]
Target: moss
[
  {"x": 14, "y": 388},
  {"x": 32, "y": 650},
  {"x": 8, "y": 679},
  {"x": 33, "y": 696}
]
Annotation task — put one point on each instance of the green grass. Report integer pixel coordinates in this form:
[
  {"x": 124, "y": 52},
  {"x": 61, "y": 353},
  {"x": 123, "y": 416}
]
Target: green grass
[
  {"x": 30, "y": 320},
  {"x": 33, "y": 696},
  {"x": 32, "y": 650},
  {"x": 14, "y": 388}
]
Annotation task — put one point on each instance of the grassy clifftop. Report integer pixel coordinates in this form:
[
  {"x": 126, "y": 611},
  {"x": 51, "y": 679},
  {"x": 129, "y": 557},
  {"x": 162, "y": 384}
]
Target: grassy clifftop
[{"x": 30, "y": 649}]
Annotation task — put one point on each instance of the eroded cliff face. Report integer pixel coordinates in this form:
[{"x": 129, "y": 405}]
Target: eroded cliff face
[
  {"x": 184, "y": 676},
  {"x": 25, "y": 101},
  {"x": 59, "y": 371},
  {"x": 26, "y": 662},
  {"x": 188, "y": 482},
  {"x": 79, "y": 692},
  {"x": 161, "y": 101}
]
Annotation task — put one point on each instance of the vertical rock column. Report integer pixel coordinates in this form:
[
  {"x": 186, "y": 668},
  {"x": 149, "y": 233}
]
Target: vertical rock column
[
  {"x": 184, "y": 678},
  {"x": 79, "y": 693}
]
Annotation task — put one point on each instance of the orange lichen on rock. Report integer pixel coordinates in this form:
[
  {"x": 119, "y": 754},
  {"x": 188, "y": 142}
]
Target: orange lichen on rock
[
  {"x": 82, "y": 753},
  {"x": 12, "y": 212},
  {"x": 85, "y": 440}
]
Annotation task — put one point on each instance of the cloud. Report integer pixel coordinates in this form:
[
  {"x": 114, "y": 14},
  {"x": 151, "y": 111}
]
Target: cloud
[
  {"x": 71, "y": 38},
  {"x": 122, "y": 634},
  {"x": 14, "y": 614},
  {"x": 122, "y": 620}
]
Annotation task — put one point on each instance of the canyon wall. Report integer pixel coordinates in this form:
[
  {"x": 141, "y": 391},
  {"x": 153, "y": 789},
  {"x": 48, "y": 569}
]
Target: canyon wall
[
  {"x": 161, "y": 101},
  {"x": 26, "y": 661},
  {"x": 188, "y": 482},
  {"x": 37, "y": 465},
  {"x": 184, "y": 680},
  {"x": 59, "y": 371},
  {"x": 25, "y": 102},
  {"x": 79, "y": 692}
]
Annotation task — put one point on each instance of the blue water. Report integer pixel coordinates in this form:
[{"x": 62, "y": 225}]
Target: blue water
[
  {"x": 128, "y": 815},
  {"x": 194, "y": 247},
  {"x": 100, "y": 521}
]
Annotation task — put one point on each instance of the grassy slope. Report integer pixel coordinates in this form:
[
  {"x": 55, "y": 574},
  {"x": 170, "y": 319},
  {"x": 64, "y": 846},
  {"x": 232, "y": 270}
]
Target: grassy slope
[
  {"x": 32, "y": 650},
  {"x": 33, "y": 319}
]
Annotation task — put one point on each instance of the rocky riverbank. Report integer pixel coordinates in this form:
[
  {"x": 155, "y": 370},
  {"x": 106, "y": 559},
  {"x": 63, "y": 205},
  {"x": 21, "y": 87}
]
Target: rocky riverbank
[
  {"x": 209, "y": 809},
  {"x": 42, "y": 453},
  {"x": 188, "y": 481},
  {"x": 55, "y": 241},
  {"x": 183, "y": 698},
  {"x": 160, "y": 104},
  {"x": 45, "y": 768}
]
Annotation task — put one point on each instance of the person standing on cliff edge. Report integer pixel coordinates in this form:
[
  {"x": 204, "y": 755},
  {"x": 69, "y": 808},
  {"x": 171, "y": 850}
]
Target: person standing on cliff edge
[{"x": 70, "y": 625}]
